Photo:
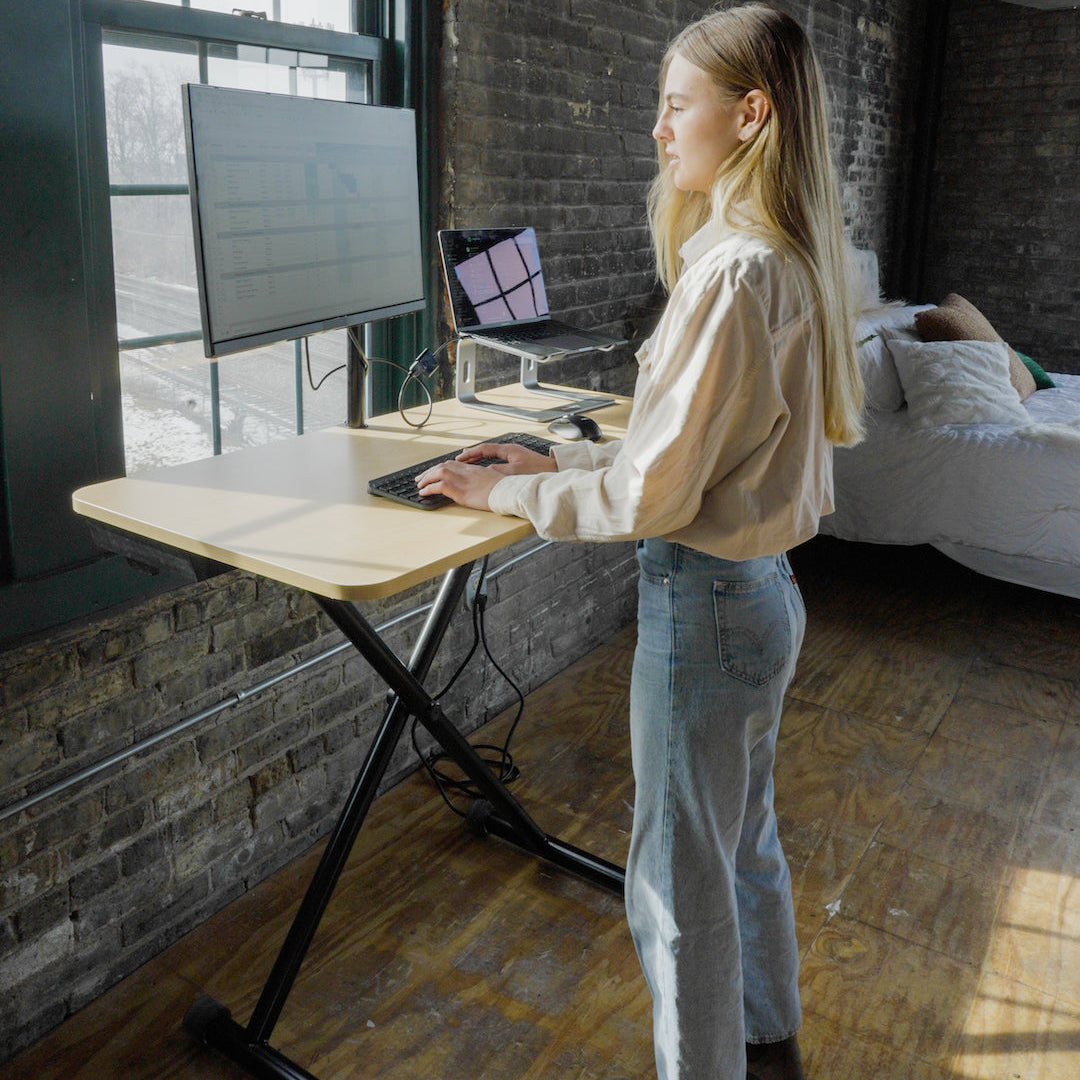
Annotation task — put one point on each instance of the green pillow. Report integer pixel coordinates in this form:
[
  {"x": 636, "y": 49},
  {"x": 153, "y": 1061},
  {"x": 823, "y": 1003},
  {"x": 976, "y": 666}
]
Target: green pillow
[{"x": 1042, "y": 380}]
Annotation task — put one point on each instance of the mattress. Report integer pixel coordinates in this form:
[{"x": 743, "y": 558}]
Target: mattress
[{"x": 1004, "y": 500}]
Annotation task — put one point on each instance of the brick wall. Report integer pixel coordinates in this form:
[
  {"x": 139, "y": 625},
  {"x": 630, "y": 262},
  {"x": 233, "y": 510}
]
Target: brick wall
[
  {"x": 547, "y": 109},
  {"x": 1005, "y": 218},
  {"x": 96, "y": 880}
]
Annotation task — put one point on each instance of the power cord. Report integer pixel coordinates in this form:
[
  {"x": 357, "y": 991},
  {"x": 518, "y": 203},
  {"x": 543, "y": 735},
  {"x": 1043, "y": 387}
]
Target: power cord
[
  {"x": 411, "y": 373},
  {"x": 425, "y": 364},
  {"x": 497, "y": 758},
  {"x": 307, "y": 357}
]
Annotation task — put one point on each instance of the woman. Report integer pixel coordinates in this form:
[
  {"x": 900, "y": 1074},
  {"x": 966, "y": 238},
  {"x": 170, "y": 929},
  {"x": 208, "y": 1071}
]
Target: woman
[{"x": 726, "y": 465}]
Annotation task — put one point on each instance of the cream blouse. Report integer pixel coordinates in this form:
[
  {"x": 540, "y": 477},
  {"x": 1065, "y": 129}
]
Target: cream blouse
[{"x": 725, "y": 448}]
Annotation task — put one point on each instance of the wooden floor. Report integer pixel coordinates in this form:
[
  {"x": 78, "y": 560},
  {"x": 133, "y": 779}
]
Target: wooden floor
[{"x": 928, "y": 785}]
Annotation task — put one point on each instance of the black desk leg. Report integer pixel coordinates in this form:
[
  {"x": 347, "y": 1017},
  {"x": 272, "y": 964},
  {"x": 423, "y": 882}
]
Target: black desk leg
[
  {"x": 209, "y": 1022},
  {"x": 506, "y": 817}
]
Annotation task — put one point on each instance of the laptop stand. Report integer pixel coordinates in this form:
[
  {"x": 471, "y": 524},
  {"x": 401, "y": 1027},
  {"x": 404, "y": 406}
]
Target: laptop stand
[{"x": 574, "y": 401}]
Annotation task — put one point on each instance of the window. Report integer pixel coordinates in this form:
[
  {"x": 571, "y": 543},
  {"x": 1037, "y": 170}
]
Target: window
[
  {"x": 104, "y": 370},
  {"x": 176, "y": 405}
]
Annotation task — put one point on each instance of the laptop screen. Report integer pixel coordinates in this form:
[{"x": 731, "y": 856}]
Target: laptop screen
[{"x": 493, "y": 276}]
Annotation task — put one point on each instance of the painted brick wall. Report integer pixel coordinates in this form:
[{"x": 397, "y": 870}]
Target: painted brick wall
[
  {"x": 547, "y": 108},
  {"x": 1005, "y": 218}
]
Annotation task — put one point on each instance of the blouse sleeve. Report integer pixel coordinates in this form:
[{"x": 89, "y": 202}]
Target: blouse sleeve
[
  {"x": 706, "y": 398},
  {"x": 584, "y": 455}
]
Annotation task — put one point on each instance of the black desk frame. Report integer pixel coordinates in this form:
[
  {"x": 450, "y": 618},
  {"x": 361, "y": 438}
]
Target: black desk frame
[{"x": 209, "y": 1022}]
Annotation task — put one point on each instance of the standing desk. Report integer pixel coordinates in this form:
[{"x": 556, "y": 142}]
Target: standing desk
[{"x": 298, "y": 512}]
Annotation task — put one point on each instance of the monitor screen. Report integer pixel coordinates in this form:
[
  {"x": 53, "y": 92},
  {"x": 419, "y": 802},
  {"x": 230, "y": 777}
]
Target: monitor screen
[{"x": 306, "y": 214}]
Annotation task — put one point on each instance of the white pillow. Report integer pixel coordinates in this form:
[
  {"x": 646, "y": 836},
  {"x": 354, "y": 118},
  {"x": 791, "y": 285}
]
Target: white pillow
[
  {"x": 956, "y": 382},
  {"x": 882, "y": 391}
]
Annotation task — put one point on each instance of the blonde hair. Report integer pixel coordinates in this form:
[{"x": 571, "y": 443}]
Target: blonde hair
[{"x": 782, "y": 178}]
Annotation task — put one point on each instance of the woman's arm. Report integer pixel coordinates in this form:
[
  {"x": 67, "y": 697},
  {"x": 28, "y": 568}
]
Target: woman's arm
[{"x": 705, "y": 401}]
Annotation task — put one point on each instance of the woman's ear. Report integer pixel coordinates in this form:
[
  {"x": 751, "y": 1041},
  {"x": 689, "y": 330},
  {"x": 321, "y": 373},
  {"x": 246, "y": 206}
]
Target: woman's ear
[{"x": 755, "y": 112}]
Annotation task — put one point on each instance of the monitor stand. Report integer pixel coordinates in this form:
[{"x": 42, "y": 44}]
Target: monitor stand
[
  {"x": 356, "y": 368},
  {"x": 573, "y": 401}
]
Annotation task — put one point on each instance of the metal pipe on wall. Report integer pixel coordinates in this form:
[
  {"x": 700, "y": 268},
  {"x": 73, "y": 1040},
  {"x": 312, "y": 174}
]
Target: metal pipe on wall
[{"x": 148, "y": 743}]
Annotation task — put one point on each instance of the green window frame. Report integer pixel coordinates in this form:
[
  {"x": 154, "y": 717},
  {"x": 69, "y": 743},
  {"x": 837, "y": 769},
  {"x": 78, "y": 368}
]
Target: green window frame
[{"x": 60, "y": 394}]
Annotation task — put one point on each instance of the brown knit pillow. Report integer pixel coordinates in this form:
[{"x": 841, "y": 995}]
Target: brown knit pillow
[{"x": 954, "y": 319}]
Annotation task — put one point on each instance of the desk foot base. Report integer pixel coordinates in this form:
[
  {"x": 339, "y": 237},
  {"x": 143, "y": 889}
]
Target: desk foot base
[
  {"x": 482, "y": 820},
  {"x": 210, "y": 1023}
]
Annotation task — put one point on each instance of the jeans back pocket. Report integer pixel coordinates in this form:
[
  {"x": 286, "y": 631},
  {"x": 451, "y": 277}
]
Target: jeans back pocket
[{"x": 753, "y": 630}]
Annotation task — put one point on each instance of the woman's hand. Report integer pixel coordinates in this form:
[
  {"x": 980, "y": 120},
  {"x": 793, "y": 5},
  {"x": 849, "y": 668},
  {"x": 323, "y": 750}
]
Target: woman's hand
[
  {"x": 513, "y": 459},
  {"x": 469, "y": 484}
]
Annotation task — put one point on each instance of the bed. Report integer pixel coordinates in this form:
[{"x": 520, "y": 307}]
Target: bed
[{"x": 960, "y": 453}]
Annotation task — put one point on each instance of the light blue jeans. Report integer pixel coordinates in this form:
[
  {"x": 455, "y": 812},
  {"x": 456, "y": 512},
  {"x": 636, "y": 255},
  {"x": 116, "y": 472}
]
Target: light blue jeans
[{"x": 708, "y": 892}]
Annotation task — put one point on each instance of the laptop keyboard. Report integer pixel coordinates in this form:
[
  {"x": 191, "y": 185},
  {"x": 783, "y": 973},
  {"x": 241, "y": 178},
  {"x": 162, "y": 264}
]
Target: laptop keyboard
[
  {"x": 401, "y": 485},
  {"x": 529, "y": 331}
]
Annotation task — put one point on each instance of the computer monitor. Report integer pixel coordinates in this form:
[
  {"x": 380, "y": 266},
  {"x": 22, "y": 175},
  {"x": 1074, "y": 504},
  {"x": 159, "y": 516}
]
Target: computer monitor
[{"x": 306, "y": 214}]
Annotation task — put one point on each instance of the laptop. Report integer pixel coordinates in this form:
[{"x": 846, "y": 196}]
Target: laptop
[{"x": 496, "y": 289}]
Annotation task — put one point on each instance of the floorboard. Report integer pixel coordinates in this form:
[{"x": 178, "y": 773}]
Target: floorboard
[{"x": 928, "y": 791}]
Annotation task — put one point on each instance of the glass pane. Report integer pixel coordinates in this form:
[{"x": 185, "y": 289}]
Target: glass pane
[
  {"x": 165, "y": 394},
  {"x": 168, "y": 407},
  {"x": 143, "y": 114},
  {"x": 325, "y": 14},
  {"x": 277, "y": 72},
  {"x": 258, "y": 391},
  {"x": 154, "y": 263}
]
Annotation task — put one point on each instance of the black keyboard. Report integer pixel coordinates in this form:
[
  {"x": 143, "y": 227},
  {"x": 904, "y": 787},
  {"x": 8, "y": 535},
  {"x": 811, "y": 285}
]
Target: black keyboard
[
  {"x": 541, "y": 331},
  {"x": 532, "y": 331},
  {"x": 401, "y": 485}
]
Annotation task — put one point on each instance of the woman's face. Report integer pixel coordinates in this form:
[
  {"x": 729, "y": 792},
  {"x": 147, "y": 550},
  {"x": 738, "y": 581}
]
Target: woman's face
[{"x": 698, "y": 128}]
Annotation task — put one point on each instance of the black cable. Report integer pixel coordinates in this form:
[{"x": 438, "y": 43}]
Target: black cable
[
  {"x": 503, "y": 765},
  {"x": 412, "y": 374},
  {"x": 509, "y": 770},
  {"x": 368, "y": 360},
  {"x": 476, "y": 634},
  {"x": 426, "y": 363},
  {"x": 310, "y": 378}
]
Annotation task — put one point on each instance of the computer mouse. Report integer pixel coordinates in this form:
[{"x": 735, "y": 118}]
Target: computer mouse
[{"x": 575, "y": 426}]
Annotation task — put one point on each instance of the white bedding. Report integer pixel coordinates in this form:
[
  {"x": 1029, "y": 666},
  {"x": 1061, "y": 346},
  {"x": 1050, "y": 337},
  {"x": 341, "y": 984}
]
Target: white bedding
[{"x": 1004, "y": 500}]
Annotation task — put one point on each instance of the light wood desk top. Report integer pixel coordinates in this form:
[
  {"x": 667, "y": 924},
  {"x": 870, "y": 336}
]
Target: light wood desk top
[{"x": 298, "y": 510}]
